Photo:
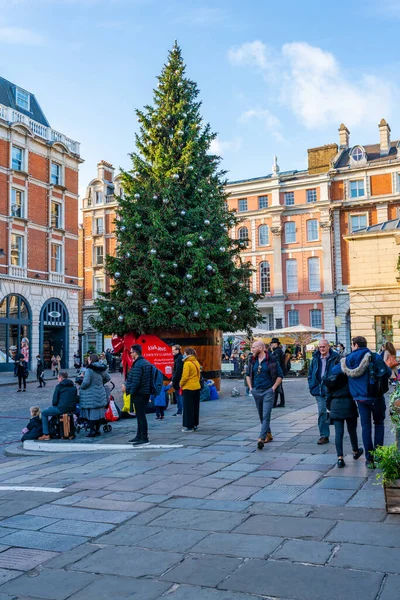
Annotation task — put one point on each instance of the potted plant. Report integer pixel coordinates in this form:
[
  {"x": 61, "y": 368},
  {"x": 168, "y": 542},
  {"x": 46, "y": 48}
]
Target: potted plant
[{"x": 387, "y": 458}]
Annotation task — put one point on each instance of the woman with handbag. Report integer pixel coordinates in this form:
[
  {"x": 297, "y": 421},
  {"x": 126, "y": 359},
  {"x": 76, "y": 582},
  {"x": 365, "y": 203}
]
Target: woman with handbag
[
  {"x": 341, "y": 408},
  {"x": 190, "y": 384},
  {"x": 390, "y": 358}
]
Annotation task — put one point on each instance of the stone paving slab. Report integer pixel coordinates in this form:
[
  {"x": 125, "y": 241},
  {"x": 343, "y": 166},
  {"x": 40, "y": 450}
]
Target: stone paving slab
[
  {"x": 213, "y": 520},
  {"x": 390, "y": 589},
  {"x": 305, "y": 551},
  {"x": 127, "y": 535},
  {"x": 82, "y": 514},
  {"x": 43, "y": 541},
  {"x": 354, "y": 556},
  {"x": 80, "y": 528},
  {"x": 290, "y": 527},
  {"x": 286, "y": 580},
  {"x": 107, "y": 587},
  {"x": 27, "y": 522},
  {"x": 8, "y": 575},
  {"x": 325, "y": 497},
  {"x": 203, "y": 570},
  {"x": 24, "y": 559},
  {"x": 235, "y": 544},
  {"x": 49, "y": 585},
  {"x": 374, "y": 534},
  {"x": 139, "y": 562},
  {"x": 171, "y": 540},
  {"x": 189, "y": 592}
]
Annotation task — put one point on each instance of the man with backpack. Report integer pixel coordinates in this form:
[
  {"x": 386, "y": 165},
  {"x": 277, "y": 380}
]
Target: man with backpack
[
  {"x": 368, "y": 378},
  {"x": 139, "y": 385}
]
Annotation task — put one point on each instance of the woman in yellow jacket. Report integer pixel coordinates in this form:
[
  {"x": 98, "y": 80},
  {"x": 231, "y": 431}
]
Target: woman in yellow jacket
[{"x": 190, "y": 384}]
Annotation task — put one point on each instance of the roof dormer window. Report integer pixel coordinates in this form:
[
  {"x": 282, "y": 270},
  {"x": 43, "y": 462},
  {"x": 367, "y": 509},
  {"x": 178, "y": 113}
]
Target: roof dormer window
[
  {"x": 22, "y": 99},
  {"x": 357, "y": 154}
]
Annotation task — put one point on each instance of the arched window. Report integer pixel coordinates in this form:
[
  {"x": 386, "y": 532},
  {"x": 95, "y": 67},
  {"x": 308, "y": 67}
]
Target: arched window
[
  {"x": 15, "y": 329},
  {"x": 265, "y": 278},
  {"x": 263, "y": 235},
  {"x": 243, "y": 234}
]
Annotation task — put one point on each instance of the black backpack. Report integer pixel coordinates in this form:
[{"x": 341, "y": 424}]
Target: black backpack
[{"x": 378, "y": 380}]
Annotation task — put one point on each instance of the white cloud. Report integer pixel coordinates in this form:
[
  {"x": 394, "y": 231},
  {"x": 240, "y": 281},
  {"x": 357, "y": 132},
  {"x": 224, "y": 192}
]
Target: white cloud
[
  {"x": 270, "y": 121},
  {"x": 20, "y": 36},
  {"x": 312, "y": 83},
  {"x": 220, "y": 147}
]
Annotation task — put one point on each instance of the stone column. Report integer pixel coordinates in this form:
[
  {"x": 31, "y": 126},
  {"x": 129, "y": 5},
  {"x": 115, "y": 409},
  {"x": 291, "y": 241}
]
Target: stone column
[
  {"x": 325, "y": 226},
  {"x": 277, "y": 248}
]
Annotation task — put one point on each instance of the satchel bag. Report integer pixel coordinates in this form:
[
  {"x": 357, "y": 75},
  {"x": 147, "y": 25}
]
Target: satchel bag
[{"x": 391, "y": 361}]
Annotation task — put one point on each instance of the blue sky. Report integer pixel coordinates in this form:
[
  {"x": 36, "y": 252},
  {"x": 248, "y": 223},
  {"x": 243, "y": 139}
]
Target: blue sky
[{"x": 275, "y": 78}]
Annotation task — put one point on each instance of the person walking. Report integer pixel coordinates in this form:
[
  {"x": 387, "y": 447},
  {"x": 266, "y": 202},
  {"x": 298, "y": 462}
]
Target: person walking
[
  {"x": 368, "y": 378},
  {"x": 92, "y": 396},
  {"x": 342, "y": 409},
  {"x": 64, "y": 401},
  {"x": 321, "y": 366},
  {"x": 264, "y": 375},
  {"x": 390, "y": 358},
  {"x": 176, "y": 378},
  {"x": 22, "y": 371},
  {"x": 138, "y": 386},
  {"x": 280, "y": 358},
  {"x": 40, "y": 372},
  {"x": 54, "y": 365},
  {"x": 190, "y": 384}
]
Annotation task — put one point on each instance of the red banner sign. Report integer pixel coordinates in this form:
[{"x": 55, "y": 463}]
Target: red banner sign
[{"x": 154, "y": 350}]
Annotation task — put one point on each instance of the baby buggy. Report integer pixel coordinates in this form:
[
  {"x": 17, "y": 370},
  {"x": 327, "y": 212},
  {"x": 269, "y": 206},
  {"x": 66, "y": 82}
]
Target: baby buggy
[{"x": 111, "y": 411}]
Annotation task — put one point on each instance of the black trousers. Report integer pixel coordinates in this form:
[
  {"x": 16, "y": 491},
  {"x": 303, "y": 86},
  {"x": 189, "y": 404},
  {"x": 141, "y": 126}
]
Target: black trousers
[
  {"x": 21, "y": 380},
  {"x": 140, "y": 401},
  {"x": 40, "y": 378},
  {"x": 191, "y": 408},
  {"x": 339, "y": 434},
  {"x": 279, "y": 392}
]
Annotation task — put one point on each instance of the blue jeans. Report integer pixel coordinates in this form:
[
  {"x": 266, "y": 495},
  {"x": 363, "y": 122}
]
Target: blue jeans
[
  {"x": 179, "y": 403},
  {"x": 264, "y": 400},
  {"x": 323, "y": 424},
  {"x": 48, "y": 412},
  {"x": 375, "y": 409}
]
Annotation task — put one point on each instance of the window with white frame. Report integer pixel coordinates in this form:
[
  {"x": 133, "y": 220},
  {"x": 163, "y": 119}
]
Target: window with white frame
[
  {"x": 243, "y": 234},
  {"x": 357, "y": 188},
  {"x": 22, "y": 99},
  {"x": 17, "y": 203},
  {"x": 99, "y": 255},
  {"x": 242, "y": 205},
  {"x": 17, "y": 250},
  {"x": 265, "y": 277},
  {"x": 263, "y": 235},
  {"x": 17, "y": 158},
  {"x": 316, "y": 318},
  {"x": 55, "y": 177},
  {"x": 314, "y": 280},
  {"x": 99, "y": 225},
  {"x": 290, "y": 232},
  {"x": 289, "y": 198},
  {"x": 56, "y": 215},
  {"x": 291, "y": 276},
  {"x": 358, "y": 222},
  {"x": 311, "y": 196},
  {"x": 98, "y": 198},
  {"x": 312, "y": 230},
  {"x": 262, "y": 202},
  {"x": 56, "y": 258},
  {"x": 98, "y": 286},
  {"x": 357, "y": 154},
  {"x": 293, "y": 318}
]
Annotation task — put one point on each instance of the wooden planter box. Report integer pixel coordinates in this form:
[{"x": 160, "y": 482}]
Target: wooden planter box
[{"x": 392, "y": 497}]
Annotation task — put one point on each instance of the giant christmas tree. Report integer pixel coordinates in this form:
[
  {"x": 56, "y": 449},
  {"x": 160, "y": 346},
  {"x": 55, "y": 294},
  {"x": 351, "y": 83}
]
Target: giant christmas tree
[{"x": 175, "y": 266}]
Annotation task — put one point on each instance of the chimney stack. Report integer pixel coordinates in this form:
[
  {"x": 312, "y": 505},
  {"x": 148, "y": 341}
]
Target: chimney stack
[
  {"x": 384, "y": 134},
  {"x": 344, "y": 137},
  {"x": 105, "y": 170}
]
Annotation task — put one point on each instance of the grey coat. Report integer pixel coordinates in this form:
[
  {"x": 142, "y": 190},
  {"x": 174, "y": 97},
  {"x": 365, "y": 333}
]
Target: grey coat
[{"x": 93, "y": 394}]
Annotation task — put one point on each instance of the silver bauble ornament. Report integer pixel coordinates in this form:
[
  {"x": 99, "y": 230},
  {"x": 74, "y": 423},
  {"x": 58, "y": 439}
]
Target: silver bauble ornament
[
  {"x": 218, "y": 291},
  {"x": 175, "y": 176},
  {"x": 128, "y": 255},
  {"x": 184, "y": 115},
  {"x": 145, "y": 309},
  {"x": 158, "y": 125},
  {"x": 180, "y": 84},
  {"x": 234, "y": 317},
  {"x": 183, "y": 213},
  {"x": 196, "y": 313},
  {"x": 117, "y": 274},
  {"x": 174, "y": 223},
  {"x": 189, "y": 276},
  {"x": 190, "y": 168},
  {"x": 137, "y": 196},
  {"x": 201, "y": 238},
  {"x": 138, "y": 225},
  {"x": 209, "y": 268},
  {"x": 181, "y": 132},
  {"x": 226, "y": 228},
  {"x": 122, "y": 228},
  {"x": 241, "y": 284},
  {"x": 189, "y": 244},
  {"x": 206, "y": 222},
  {"x": 175, "y": 265},
  {"x": 162, "y": 275},
  {"x": 105, "y": 308},
  {"x": 112, "y": 308},
  {"x": 206, "y": 292},
  {"x": 251, "y": 299},
  {"x": 200, "y": 190},
  {"x": 155, "y": 197},
  {"x": 207, "y": 316},
  {"x": 153, "y": 251},
  {"x": 167, "y": 294},
  {"x": 222, "y": 248},
  {"x": 165, "y": 200},
  {"x": 229, "y": 310},
  {"x": 182, "y": 301},
  {"x": 120, "y": 318},
  {"x": 129, "y": 293},
  {"x": 171, "y": 137},
  {"x": 154, "y": 301}
]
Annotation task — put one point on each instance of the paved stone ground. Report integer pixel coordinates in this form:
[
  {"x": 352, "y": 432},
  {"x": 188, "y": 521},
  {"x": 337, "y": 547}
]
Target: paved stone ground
[{"x": 213, "y": 520}]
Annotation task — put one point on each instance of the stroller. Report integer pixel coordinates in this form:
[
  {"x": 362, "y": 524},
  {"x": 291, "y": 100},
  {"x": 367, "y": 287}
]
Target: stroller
[{"x": 109, "y": 412}]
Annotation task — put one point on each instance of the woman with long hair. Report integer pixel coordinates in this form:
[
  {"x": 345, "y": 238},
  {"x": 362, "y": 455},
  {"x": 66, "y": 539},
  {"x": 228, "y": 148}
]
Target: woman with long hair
[
  {"x": 390, "y": 358},
  {"x": 190, "y": 384}
]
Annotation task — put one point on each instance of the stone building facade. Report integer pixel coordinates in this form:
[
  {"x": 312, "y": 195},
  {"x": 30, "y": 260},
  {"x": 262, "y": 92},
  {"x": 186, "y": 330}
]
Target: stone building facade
[
  {"x": 38, "y": 232},
  {"x": 294, "y": 223}
]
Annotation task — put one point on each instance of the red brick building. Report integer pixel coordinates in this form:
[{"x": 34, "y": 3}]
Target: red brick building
[{"x": 38, "y": 231}]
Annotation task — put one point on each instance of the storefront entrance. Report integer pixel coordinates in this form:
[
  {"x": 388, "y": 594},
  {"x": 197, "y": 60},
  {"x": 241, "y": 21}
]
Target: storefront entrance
[
  {"x": 54, "y": 332},
  {"x": 15, "y": 330}
]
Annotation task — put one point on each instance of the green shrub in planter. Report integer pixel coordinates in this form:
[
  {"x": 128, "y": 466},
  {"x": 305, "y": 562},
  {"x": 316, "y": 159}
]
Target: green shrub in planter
[{"x": 387, "y": 458}]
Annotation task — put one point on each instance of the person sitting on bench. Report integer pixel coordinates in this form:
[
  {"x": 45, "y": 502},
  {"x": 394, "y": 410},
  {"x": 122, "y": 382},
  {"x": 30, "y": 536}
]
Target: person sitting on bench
[{"x": 65, "y": 398}]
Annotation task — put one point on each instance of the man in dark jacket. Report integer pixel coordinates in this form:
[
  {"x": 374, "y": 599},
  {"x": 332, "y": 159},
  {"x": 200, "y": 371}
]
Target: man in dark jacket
[
  {"x": 40, "y": 372},
  {"x": 321, "y": 366},
  {"x": 280, "y": 358},
  {"x": 138, "y": 386},
  {"x": 357, "y": 366},
  {"x": 177, "y": 376},
  {"x": 64, "y": 401}
]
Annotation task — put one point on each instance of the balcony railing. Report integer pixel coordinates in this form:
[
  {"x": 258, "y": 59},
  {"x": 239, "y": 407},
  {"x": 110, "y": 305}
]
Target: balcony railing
[
  {"x": 47, "y": 133},
  {"x": 17, "y": 272},
  {"x": 110, "y": 198},
  {"x": 56, "y": 277}
]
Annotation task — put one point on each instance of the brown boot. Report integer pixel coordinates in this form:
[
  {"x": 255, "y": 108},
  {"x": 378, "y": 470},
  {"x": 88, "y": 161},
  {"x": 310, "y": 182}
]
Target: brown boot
[
  {"x": 268, "y": 438},
  {"x": 44, "y": 438}
]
